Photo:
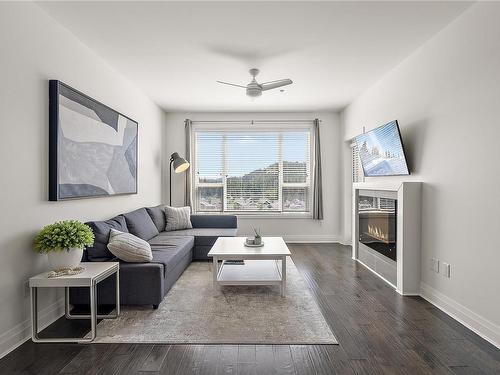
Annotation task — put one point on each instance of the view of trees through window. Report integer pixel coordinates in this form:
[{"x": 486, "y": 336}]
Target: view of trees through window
[{"x": 257, "y": 171}]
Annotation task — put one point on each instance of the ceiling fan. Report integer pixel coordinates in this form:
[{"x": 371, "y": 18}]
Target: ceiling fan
[{"x": 254, "y": 89}]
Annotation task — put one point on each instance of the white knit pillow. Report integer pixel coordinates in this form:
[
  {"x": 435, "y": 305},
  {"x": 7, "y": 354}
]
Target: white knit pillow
[
  {"x": 178, "y": 218},
  {"x": 130, "y": 248}
]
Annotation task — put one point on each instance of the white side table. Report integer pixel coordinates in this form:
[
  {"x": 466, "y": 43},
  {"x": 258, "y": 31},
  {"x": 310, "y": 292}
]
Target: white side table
[{"x": 94, "y": 273}]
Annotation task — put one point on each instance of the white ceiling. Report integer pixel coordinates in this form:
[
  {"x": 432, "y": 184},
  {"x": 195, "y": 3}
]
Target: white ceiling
[{"x": 175, "y": 51}]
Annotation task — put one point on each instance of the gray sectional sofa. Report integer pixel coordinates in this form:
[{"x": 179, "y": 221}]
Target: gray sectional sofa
[{"x": 148, "y": 283}]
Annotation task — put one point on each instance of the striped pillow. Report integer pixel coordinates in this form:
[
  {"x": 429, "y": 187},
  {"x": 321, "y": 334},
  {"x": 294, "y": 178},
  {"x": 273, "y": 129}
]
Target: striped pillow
[
  {"x": 178, "y": 218},
  {"x": 129, "y": 248}
]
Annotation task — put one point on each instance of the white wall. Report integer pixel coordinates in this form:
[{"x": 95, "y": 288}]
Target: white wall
[
  {"x": 292, "y": 229},
  {"x": 446, "y": 97},
  {"x": 34, "y": 49}
]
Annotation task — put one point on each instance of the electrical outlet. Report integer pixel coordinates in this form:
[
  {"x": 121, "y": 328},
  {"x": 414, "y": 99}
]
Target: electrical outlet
[
  {"x": 26, "y": 288},
  {"x": 435, "y": 265},
  {"x": 446, "y": 270}
]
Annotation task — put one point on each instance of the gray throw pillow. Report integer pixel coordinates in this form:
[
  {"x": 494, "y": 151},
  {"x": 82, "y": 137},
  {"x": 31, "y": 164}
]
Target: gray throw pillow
[
  {"x": 98, "y": 252},
  {"x": 157, "y": 214},
  {"x": 178, "y": 218},
  {"x": 139, "y": 223},
  {"x": 129, "y": 248}
]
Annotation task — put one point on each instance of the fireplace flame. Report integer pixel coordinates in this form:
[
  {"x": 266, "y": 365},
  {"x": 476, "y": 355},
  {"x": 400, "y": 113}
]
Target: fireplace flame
[{"x": 377, "y": 233}]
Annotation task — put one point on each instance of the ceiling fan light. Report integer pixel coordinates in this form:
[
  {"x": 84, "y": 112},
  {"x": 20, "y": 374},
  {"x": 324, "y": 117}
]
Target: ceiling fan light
[{"x": 254, "y": 92}]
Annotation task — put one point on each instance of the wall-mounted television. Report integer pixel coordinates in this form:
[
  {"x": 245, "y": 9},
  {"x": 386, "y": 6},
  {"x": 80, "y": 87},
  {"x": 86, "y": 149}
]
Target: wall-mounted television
[{"x": 381, "y": 151}]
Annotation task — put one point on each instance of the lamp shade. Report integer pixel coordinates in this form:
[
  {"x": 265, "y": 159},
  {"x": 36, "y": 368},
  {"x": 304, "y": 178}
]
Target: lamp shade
[{"x": 179, "y": 164}]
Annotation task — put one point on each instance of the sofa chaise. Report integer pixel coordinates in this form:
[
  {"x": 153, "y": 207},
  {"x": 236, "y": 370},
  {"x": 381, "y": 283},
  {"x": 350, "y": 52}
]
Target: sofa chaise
[{"x": 148, "y": 283}]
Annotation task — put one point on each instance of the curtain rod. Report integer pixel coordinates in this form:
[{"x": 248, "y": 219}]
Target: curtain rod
[{"x": 249, "y": 121}]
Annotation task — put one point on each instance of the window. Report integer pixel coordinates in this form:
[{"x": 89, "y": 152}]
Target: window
[{"x": 252, "y": 171}]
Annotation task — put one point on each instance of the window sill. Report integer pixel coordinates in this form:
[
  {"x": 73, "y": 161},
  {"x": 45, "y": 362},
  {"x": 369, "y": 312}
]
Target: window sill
[{"x": 274, "y": 215}]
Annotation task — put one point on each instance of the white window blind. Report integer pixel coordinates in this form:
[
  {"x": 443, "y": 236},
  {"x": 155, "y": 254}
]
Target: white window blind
[
  {"x": 357, "y": 169},
  {"x": 252, "y": 171}
]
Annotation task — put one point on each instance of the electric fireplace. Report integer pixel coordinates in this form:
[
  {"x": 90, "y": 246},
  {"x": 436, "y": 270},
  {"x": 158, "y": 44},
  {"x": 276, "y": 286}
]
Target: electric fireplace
[
  {"x": 381, "y": 240},
  {"x": 377, "y": 224}
]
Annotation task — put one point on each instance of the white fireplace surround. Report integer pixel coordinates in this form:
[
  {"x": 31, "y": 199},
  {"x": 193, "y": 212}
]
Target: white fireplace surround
[{"x": 408, "y": 231}]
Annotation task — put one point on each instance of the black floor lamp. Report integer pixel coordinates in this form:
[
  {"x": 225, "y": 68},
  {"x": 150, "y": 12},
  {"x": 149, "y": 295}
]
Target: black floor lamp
[{"x": 180, "y": 165}]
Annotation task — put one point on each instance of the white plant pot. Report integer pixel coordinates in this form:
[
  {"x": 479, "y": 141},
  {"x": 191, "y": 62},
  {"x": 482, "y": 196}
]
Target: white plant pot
[{"x": 70, "y": 258}]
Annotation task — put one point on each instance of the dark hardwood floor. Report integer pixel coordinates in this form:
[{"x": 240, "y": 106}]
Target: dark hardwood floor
[{"x": 379, "y": 332}]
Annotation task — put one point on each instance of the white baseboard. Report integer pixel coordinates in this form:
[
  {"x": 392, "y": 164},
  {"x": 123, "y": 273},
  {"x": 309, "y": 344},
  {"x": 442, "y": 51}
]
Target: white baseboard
[
  {"x": 346, "y": 242},
  {"x": 311, "y": 238},
  {"x": 17, "y": 335},
  {"x": 483, "y": 327}
]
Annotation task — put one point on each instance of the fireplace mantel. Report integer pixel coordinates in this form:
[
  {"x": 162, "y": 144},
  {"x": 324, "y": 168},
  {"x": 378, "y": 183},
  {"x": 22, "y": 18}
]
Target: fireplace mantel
[{"x": 408, "y": 262}]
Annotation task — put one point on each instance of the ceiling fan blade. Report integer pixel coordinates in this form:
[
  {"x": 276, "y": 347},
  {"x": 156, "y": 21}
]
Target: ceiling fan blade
[
  {"x": 231, "y": 84},
  {"x": 275, "y": 84}
]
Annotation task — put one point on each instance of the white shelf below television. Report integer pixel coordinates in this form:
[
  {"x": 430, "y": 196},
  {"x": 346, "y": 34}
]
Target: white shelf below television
[{"x": 408, "y": 245}]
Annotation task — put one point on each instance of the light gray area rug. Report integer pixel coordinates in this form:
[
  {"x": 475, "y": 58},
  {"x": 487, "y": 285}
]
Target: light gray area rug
[{"x": 193, "y": 312}]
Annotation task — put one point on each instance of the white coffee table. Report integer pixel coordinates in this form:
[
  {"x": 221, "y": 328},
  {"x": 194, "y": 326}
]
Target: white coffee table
[
  {"x": 264, "y": 265},
  {"x": 94, "y": 273}
]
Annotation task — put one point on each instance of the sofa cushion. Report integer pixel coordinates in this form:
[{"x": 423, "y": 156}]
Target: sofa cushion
[
  {"x": 99, "y": 251},
  {"x": 170, "y": 250},
  {"x": 140, "y": 224},
  {"x": 203, "y": 236},
  {"x": 157, "y": 214},
  {"x": 129, "y": 248},
  {"x": 214, "y": 221},
  {"x": 201, "y": 252}
]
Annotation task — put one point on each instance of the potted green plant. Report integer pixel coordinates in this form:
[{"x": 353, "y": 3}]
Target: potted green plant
[{"x": 63, "y": 242}]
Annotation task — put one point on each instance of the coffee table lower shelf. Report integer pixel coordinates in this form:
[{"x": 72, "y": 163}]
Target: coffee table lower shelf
[{"x": 252, "y": 272}]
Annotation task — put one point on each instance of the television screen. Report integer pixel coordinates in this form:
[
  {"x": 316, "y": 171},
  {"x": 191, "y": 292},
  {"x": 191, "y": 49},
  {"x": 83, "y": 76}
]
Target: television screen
[{"x": 381, "y": 151}]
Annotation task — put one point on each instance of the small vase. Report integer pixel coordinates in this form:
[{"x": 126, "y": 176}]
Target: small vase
[
  {"x": 257, "y": 240},
  {"x": 70, "y": 258}
]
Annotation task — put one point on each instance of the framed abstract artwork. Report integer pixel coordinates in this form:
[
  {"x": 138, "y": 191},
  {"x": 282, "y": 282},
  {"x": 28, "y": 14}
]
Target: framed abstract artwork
[{"x": 92, "y": 148}]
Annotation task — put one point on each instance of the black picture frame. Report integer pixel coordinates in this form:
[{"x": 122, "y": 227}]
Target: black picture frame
[{"x": 67, "y": 182}]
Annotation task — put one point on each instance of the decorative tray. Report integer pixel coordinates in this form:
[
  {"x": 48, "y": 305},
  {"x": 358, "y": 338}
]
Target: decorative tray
[{"x": 253, "y": 245}]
